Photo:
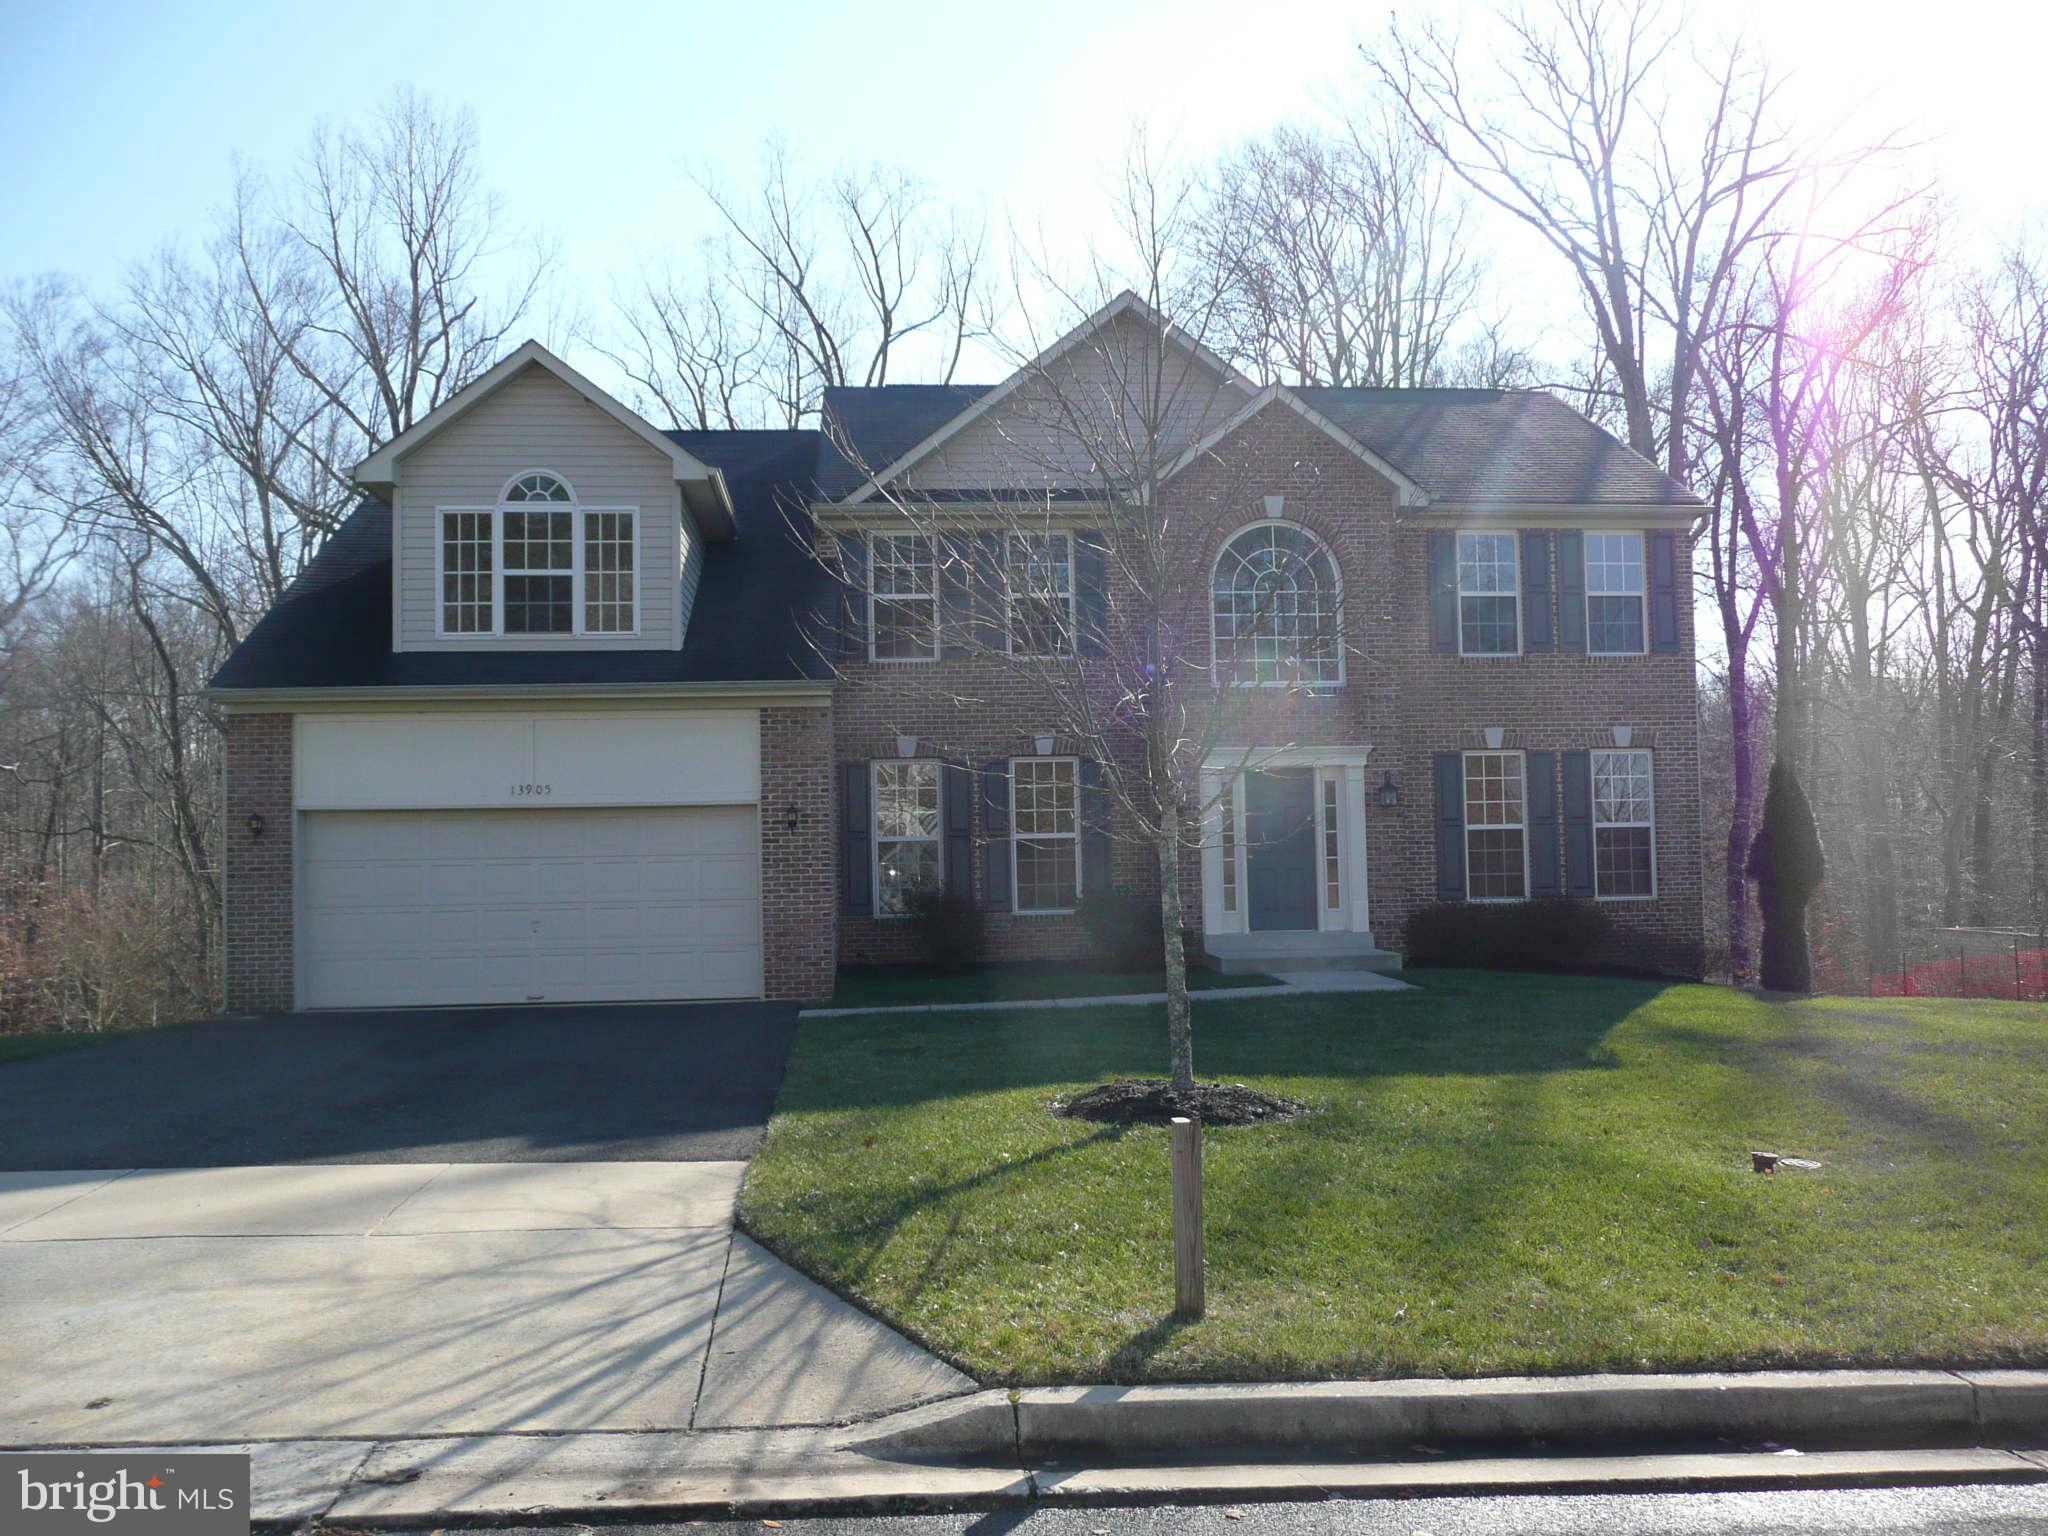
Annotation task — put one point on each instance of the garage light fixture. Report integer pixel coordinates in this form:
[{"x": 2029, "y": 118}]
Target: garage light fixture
[{"x": 255, "y": 824}]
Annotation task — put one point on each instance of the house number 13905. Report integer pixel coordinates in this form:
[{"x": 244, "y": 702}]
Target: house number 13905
[{"x": 523, "y": 791}]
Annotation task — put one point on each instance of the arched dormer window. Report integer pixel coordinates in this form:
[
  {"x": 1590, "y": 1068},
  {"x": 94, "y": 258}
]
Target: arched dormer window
[
  {"x": 539, "y": 563},
  {"x": 1275, "y": 607}
]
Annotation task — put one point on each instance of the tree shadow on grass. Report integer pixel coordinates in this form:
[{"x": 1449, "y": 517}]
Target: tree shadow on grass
[{"x": 1457, "y": 1024}]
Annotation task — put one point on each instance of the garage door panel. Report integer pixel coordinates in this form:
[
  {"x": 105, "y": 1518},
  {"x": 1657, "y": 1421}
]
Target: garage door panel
[{"x": 450, "y": 907}]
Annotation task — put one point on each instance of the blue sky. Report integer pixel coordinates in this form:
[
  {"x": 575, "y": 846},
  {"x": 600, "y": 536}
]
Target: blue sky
[{"x": 122, "y": 120}]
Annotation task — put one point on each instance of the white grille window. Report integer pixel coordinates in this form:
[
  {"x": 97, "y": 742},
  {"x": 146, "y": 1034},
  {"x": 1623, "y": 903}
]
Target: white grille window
[
  {"x": 1614, "y": 594},
  {"x": 468, "y": 553},
  {"x": 1045, "y": 833},
  {"x": 1489, "y": 595},
  {"x": 907, "y": 853},
  {"x": 1496, "y": 834},
  {"x": 608, "y": 585},
  {"x": 1624, "y": 827},
  {"x": 540, "y": 571},
  {"x": 904, "y": 607},
  {"x": 1038, "y": 573},
  {"x": 1274, "y": 611}
]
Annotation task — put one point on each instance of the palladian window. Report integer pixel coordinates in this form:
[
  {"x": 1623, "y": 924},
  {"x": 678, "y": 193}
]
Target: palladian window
[{"x": 1275, "y": 610}]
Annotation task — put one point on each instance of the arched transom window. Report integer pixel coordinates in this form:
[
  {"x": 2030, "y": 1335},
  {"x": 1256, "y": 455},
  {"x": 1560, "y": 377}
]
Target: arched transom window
[
  {"x": 538, "y": 487},
  {"x": 1274, "y": 603}
]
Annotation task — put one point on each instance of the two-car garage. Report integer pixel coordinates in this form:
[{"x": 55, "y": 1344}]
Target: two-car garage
[{"x": 506, "y": 857}]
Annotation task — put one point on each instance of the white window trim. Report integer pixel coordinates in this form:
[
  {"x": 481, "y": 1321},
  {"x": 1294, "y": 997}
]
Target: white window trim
[
  {"x": 1465, "y": 842},
  {"x": 1641, "y": 593},
  {"x": 1593, "y": 778},
  {"x": 1073, "y": 626},
  {"x": 583, "y": 514},
  {"x": 873, "y": 597},
  {"x": 1336, "y": 588},
  {"x": 1514, "y": 591},
  {"x": 876, "y": 839},
  {"x": 1016, "y": 837},
  {"x": 578, "y": 626}
]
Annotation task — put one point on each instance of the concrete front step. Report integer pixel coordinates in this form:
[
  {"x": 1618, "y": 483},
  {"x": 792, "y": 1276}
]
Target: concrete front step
[{"x": 1247, "y": 953}]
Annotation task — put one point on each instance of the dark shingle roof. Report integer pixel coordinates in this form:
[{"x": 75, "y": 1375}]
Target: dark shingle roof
[
  {"x": 1462, "y": 446},
  {"x": 1514, "y": 446},
  {"x": 759, "y": 597},
  {"x": 868, "y": 429}
]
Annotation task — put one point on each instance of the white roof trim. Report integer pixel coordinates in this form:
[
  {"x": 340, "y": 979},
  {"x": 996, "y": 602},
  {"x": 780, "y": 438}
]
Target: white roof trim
[
  {"x": 1124, "y": 303},
  {"x": 381, "y": 467},
  {"x": 1409, "y": 493}
]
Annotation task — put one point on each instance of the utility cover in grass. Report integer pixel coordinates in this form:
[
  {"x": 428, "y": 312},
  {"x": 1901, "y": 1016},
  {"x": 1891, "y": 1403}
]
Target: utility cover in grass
[{"x": 1154, "y": 1101}]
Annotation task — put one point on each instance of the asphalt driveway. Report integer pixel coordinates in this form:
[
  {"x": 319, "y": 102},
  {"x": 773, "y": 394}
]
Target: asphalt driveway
[{"x": 654, "y": 1083}]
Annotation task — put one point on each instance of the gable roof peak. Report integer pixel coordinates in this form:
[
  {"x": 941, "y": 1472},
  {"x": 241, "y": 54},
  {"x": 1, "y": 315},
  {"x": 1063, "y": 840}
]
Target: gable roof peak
[{"x": 703, "y": 485}]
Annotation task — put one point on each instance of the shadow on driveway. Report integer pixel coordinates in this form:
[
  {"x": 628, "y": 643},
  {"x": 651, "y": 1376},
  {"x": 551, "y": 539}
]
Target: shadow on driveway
[{"x": 661, "y": 1083}]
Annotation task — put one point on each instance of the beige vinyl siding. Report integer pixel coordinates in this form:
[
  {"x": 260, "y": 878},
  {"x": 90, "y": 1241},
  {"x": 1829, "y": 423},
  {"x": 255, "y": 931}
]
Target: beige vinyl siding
[
  {"x": 1032, "y": 439},
  {"x": 693, "y": 572},
  {"x": 535, "y": 421}
]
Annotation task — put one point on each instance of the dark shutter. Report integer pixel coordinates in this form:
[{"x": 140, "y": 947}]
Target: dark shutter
[
  {"x": 1542, "y": 768},
  {"x": 856, "y": 841},
  {"x": 955, "y": 552},
  {"x": 1095, "y": 846},
  {"x": 958, "y": 794},
  {"x": 853, "y": 595},
  {"x": 1443, "y": 593},
  {"x": 1571, "y": 591},
  {"x": 995, "y": 820},
  {"x": 1662, "y": 547},
  {"x": 1450, "y": 826},
  {"x": 1578, "y": 823},
  {"x": 1091, "y": 592},
  {"x": 1537, "y": 634}
]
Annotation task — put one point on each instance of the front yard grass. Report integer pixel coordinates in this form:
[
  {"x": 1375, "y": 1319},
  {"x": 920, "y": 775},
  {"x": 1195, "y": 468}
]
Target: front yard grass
[
  {"x": 1500, "y": 1174},
  {"x": 904, "y": 986}
]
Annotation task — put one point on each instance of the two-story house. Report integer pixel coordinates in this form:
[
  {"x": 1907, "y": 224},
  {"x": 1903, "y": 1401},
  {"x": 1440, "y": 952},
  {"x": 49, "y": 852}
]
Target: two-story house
[{"x": 574, "y": 707}]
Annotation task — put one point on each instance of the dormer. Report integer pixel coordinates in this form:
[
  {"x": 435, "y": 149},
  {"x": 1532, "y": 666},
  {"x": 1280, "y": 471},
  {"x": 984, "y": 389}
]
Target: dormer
[{"x": 532, "y": 511}]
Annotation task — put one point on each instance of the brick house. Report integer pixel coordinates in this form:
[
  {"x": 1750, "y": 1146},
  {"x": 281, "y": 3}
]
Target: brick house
[{"x": 577, "y": 708}]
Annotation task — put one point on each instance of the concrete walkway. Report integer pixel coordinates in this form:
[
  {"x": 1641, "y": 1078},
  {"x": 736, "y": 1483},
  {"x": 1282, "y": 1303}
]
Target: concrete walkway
[
  {"x": 1291, "y": 983},
  {"x": 262, "y": 1303}
]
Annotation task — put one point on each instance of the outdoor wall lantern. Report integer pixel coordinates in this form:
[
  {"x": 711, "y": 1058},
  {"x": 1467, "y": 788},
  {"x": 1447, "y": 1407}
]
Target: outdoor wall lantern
[
  {"x": 1390, "y": 792},
  {"x": 255, "y": 824},
  {"x": 792, "y": 816}
]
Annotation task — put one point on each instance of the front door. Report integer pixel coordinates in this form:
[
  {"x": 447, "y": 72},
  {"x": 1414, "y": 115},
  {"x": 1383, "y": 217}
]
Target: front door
[{"x": 1280, "y": 847}]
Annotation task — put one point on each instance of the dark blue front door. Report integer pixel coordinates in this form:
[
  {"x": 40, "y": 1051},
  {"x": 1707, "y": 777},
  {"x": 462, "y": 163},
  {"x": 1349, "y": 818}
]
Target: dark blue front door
[{"x": 1280, "y": 847}]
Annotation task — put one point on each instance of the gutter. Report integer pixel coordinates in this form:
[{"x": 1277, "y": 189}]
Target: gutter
[{"x": 487, "y": 692}]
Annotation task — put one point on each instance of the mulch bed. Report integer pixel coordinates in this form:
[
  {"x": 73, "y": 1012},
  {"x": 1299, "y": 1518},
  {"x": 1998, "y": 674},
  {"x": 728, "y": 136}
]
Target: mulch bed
[{"x": 1154, "y": 1101}]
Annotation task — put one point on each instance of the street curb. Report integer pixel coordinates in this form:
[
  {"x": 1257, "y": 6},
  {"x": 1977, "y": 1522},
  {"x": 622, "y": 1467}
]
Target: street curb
[{"x": 1294, "y": 1420}]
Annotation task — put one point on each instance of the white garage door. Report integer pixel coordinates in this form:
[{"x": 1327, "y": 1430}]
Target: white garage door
[{"x": 402, "y": 908}]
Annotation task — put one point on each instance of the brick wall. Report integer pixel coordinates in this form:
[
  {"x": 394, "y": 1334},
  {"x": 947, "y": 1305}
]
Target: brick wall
[
  {"x": 798, "y": 887},
  {"x": 1407, "y": 702},
  {"x": 257, "y": 871}
]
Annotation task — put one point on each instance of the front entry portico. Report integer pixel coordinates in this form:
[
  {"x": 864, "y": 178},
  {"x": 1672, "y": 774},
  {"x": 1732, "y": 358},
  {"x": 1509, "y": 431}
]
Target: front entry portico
[{"x": 1283, "y": 848}]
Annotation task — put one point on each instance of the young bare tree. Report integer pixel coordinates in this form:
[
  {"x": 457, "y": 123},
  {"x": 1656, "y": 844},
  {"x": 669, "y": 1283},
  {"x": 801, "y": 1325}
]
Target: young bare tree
[
  {"x": 848, "y": 279},
  {"x": 1083, "y": 597}
]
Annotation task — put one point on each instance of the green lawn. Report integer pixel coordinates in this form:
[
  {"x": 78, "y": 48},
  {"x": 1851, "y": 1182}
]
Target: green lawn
[
  {"x": 28, "y": 1047},
  {"x": 901, "y": 986},
  {"x": 1499, "y": 1174}
]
